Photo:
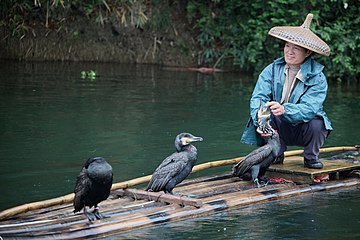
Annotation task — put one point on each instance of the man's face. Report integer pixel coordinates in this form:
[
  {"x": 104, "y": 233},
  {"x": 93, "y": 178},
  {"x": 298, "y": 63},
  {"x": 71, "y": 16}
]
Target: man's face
[{"x": 294, "y": 54}]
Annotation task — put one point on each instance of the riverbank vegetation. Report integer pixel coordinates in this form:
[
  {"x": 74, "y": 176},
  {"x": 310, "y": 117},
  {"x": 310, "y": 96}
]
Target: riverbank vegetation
[{"x": 221, "y": 32}]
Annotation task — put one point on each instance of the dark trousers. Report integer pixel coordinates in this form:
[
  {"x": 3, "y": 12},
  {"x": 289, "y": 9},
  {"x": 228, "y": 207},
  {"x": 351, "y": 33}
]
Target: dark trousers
[{"x": 310, "y": 135}]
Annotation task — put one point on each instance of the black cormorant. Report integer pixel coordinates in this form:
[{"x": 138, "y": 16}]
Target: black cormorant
[
  {"x": 255, "y": 164},
  {"x": 176, "y": 167},
  {"x": 93, "y": 186}
]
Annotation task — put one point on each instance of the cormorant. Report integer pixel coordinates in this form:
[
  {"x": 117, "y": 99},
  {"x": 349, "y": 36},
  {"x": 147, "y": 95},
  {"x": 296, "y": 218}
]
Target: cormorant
[
  {"x": 93, "y": 186},
  {"x": 263, "y": 117},
  {"x": 255, "y": 164},
  {"x": 176, "y": 167}
]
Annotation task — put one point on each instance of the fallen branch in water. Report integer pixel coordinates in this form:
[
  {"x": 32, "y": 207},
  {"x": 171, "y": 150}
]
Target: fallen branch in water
[{"x": 205, "y": 70}]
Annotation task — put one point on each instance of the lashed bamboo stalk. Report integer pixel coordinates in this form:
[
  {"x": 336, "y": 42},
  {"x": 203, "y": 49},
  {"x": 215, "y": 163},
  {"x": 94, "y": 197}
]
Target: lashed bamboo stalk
[
  {"x": 219, "y": 203},
  {"x": 136, "y": 181},
  {"x": 148, "y": 217},
  {"x": 162, "y": 197},
  {"x": 64, "y": 199},
  {"x": 323, "y": 150}
]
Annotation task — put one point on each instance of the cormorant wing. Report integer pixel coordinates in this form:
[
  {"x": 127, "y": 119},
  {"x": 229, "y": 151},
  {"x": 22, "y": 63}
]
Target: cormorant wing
[
  {"x": 168, "y": 169},
  {"x": 82, "y": 187},
  {"x": 253, "y": 158}
]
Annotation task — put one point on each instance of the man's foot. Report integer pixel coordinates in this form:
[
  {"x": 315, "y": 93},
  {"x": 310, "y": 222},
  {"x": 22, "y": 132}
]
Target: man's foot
[{"x": 315, "y": 163}]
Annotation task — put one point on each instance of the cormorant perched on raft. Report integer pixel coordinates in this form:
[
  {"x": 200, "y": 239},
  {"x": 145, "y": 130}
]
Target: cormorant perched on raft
[
  {"x": 176, "y": 167},
  {"x": 93, "y": 186},
  {"x": 255, "y": 164}
]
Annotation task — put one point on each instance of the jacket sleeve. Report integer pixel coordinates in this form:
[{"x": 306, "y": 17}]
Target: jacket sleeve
[
  {"x": 310, "y": 103},
  {"x": 262, "y": 91}
]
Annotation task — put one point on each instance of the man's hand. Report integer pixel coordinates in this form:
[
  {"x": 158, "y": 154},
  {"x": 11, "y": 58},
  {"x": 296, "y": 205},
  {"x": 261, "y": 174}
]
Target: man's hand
[
  {"x": 276, "y": 108},
  {"x": 266, "y": 134}
]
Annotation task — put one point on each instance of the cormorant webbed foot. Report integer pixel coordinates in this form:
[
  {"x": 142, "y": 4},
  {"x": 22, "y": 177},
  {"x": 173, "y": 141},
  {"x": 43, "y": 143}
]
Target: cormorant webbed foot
[
  {"x": 279, "y": 159},
  {"x": 260, "y": 184},
  {"x": 97, "y": 214},
  {"x": 90, "y": 216}
]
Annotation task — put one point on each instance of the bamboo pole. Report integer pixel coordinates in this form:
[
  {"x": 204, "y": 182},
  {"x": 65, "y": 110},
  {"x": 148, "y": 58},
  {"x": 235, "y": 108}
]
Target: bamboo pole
[
  {"x": 218, "y": 163},
  {"x": 323, "y": 150},
  {"x": 162, "y": 197},
  {"x": 36, "y": 205},
  {"x": 132, "y": 182},
  {"x": 136, "y": 181}
]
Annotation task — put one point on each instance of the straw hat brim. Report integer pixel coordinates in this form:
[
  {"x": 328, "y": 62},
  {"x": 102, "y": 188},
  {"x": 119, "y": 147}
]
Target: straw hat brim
[{"x": 301, "y": 36}]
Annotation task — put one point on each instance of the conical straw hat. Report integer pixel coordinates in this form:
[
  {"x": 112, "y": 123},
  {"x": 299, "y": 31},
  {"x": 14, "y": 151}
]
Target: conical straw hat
[{"x": 302, "y": 36}]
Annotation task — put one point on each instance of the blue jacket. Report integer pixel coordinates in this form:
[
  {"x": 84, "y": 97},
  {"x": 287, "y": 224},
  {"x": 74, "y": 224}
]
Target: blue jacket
[{"x": 306, "y": 101}]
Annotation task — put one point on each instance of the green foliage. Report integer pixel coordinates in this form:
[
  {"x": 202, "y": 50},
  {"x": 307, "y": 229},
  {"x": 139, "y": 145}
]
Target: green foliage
[
  {"x": 224, "y": 29},
  {"x": 128, "y": 12},
  {"x": 17, "y": 14},
  {"x": 13, "y": 14},
  {"x": 160, "y": 15},
  {"x": 91, "y": 75},
  {"x": 341, "y": 31},
  {"x": 238, "y": 29},
  {"x": 204, "y": 19}
]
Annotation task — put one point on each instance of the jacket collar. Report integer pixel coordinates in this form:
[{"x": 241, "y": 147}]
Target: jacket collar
[
  {"x": 299, "y": 74},
  {"x": 309, "y": 69}
]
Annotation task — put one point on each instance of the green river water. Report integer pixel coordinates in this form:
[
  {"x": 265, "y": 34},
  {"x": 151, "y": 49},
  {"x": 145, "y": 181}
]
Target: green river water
[{"x": 52, "y": 120}]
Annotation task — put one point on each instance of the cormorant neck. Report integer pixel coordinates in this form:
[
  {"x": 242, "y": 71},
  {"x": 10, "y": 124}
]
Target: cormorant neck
[{"x": 189, "y": 148}]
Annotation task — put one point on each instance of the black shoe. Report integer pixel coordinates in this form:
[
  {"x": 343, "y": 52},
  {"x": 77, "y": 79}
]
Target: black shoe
[
  {"x": 279, "y": 159},
  {"x": 315, "y": 163}
]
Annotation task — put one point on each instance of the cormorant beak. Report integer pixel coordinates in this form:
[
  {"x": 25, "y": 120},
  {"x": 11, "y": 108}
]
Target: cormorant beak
[
  {"x": 196, "y": 139},
  {"x": 264, "y": 113},
  {"x": 188, "y": 140},
  {"x": 263, "y": 116}
]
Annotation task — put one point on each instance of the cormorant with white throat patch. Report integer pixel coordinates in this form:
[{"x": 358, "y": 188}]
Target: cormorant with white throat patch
[{"x": 176, "y": 167}]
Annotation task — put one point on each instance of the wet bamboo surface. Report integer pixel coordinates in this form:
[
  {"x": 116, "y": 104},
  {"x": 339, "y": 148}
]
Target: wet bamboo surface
[
  {"x": 294, "y": 169},
  {"x": 136, "y": 181},
  {"x": 124, "y": 213},
  {"x": 130, "y": 208}
]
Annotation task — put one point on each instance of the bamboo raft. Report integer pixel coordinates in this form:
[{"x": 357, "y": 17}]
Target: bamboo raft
[{"x": 130, "y": 208}]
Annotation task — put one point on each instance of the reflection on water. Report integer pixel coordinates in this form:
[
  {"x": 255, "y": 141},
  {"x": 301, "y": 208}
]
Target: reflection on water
[{"x": 52, "y": 120}]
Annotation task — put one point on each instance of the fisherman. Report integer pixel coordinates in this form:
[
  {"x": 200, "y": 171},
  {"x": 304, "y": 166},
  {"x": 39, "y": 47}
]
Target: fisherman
[{"x": 294, "y": 87}]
